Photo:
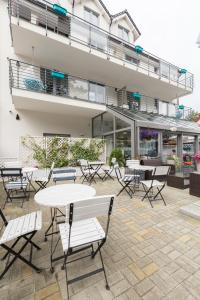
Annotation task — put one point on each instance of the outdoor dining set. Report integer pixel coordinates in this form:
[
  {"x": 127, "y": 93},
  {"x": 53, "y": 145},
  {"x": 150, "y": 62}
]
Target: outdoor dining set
[{"x": 74, "y": 208}]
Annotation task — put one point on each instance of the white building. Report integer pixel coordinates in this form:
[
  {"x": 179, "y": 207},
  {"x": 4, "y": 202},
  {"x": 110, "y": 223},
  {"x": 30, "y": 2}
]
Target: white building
[{"x": 61, "y": 66}]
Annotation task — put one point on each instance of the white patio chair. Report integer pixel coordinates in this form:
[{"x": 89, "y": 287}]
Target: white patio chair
[
  {"x": 83, "y": 231},
  {"x": 151, "y": 185},
  {"x": 22, "y": 228},
  {"x": 109, "y": 169},
  {"x": 127, "y": 182},
  {"x": 63, "y": 174},
  {"x": 14, "y": 185},
  {"x": 87, "y": 172},
  {"x": 42, "y": 181}
]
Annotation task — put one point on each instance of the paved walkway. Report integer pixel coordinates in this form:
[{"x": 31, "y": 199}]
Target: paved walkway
[{"x": 150, "y": 254}]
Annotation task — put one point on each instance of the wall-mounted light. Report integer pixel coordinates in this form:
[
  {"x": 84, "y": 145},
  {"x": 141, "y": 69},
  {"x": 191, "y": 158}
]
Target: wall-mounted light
[{"x": 17, "y": 117}]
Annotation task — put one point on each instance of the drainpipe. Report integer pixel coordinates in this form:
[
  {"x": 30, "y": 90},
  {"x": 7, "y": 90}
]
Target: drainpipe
[{"x": 73, "y": 4}]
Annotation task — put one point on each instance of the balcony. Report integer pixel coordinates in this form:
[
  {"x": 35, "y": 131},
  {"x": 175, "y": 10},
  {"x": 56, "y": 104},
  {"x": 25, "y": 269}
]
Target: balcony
[
  {"x": 88, "y": 51},
  {"x": 39, "y": 88}
]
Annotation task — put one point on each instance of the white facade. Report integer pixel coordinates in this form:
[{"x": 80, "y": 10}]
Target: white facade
[{"x": 29, "y": 42}]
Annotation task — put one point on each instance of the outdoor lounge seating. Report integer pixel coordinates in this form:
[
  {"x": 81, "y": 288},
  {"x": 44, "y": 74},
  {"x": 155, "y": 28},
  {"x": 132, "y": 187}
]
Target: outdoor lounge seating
[
  {"x": 128, "y": 182},
  {"x": 42, "y": 181},
  {"x": 154, "y": 187},
  {"x": 14, "y": 185},
  {"x": 20, "y": 229},
  {"x": 83, "y": 231},
  {"x": 63, "y": 174}
]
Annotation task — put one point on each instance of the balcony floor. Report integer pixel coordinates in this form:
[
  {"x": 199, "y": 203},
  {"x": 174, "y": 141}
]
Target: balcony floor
[{"x": 150, "y": 254}]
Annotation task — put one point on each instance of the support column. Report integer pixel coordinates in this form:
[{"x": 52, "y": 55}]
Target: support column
[
  {"x": 137, "y": 141},
  {"x": 133, "y": 135},
  {"x": 160, "y": 144},
  {"x": 196, "y": 144},
  {"x": 180, "y": 146}
]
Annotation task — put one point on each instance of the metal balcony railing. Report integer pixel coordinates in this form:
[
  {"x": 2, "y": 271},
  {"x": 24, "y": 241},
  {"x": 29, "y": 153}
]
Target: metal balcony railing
[
  {"x": 42, "y": 80},
  {"x": 40, "y": 13}
]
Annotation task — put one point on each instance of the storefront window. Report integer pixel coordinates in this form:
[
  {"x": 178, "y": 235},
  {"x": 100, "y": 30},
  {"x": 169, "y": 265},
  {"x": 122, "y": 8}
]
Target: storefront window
[
  {"x": 123, "y": 141},
  {"x": 97, "y": 126},
  {"x": 109, "y": 139},
  {"x": 188, "y": 145},
  {"x": 148, "y": 142},
  {"x": 169, "y": 145},
  {"x": 107, "y": 123},
  {"x": 120, "y": 124}
]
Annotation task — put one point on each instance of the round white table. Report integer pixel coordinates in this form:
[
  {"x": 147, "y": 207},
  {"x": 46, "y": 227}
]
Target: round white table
[
  {"x": 63, "y": 194},
  {"x": 57, "y": 197}
]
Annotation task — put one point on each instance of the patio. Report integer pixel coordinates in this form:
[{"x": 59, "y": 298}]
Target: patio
[{"x": 150, "y": 254}]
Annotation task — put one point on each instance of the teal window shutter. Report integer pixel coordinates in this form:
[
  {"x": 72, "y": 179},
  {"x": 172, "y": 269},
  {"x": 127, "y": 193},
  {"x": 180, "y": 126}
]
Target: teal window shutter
[{"x": 57, "y": 74}]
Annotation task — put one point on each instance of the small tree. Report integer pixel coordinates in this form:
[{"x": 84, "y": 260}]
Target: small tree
[{"x": 117, "y": 153}]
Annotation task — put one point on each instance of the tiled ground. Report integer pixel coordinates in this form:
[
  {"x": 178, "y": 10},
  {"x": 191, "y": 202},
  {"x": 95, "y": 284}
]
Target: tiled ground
[{"x": 150, "y": 254}]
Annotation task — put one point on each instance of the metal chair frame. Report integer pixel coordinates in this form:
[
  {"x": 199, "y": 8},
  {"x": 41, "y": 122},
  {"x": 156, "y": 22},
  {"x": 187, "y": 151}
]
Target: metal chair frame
[
  {"x": 14, "y": 176},
  {"x": 149, "y": 192},
  {"x": 17, "y": 253}
]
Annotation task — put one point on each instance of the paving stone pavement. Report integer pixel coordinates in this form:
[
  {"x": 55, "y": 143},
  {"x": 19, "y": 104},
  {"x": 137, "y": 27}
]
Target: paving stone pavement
[{"x": 150, "y": 254}]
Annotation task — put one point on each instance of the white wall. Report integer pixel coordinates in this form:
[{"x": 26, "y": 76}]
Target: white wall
[{"x": 30, "y": 123}]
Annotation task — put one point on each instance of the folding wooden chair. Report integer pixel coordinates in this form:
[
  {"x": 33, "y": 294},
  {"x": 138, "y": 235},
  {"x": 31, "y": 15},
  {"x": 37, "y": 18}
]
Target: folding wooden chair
[
  {"x": 22, "y": 228},
  {"x": 83, "y": 231},
  {"x": 150, "y": 186},
  {"x": 14, "y": 185},
  {"x": 44, "y": 180},
  {"x": 87, "y": 172},
  {"x": 127, "y": 182}
]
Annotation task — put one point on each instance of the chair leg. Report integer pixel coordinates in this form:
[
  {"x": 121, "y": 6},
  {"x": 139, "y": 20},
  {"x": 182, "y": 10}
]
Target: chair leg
[
  {"x": 107, "y": 285},
  {"x": 18, "y": 255}
]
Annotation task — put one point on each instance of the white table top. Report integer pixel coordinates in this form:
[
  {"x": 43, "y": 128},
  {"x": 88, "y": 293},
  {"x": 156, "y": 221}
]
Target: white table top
[
  {"x": 29, "y": 169},
  {"x": 63, "y": 194},
  {"x": 141, "y": 167},
  {"x": 97, "y": 162}
]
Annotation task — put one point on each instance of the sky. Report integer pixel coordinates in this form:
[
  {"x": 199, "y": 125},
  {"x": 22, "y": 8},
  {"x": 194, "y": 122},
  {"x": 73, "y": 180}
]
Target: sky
[{"x": 169, "y": 29}]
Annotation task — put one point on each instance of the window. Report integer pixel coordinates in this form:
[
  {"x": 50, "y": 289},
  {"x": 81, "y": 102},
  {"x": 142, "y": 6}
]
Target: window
[
  {"x": 91, "y": 16},
  {"x": 123, "y": 33},
  {"x": 96, "y": 93}
]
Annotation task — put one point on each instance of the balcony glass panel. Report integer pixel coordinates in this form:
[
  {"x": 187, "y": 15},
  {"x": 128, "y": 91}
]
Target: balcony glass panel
[
  {"x": 171, "y": 110},
  {"x": 162, "y": 108},
  {"x": 78, "y": 89}
]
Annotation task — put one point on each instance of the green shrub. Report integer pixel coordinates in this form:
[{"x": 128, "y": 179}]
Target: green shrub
[{"x": 117, "y": 153}]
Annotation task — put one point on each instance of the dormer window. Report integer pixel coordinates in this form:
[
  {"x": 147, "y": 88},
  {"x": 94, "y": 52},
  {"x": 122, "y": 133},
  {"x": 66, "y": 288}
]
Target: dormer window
[
  {"x": 91, "y": 16},
  {"x": 123, "y": 33}
]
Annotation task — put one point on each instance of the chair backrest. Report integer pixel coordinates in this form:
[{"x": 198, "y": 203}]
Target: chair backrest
[
  {"x": 51, "y": 171},
  {"x": 117, "y": 171},
  {"x": 65, "y": 173},
  {"x": 90, "y": 208},
  {"x": 83, "y": 162},
  {"x": 161, "y": 171},
  {"x": 11, "y": 172},
  {"x": 113, "y": 160}
]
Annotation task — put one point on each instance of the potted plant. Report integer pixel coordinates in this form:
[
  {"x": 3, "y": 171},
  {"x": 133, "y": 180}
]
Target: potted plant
[
  {"x": 117, "y": 153},
  {"x": 197, "y": 160},
  {"x": 187, "y": 164}
]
